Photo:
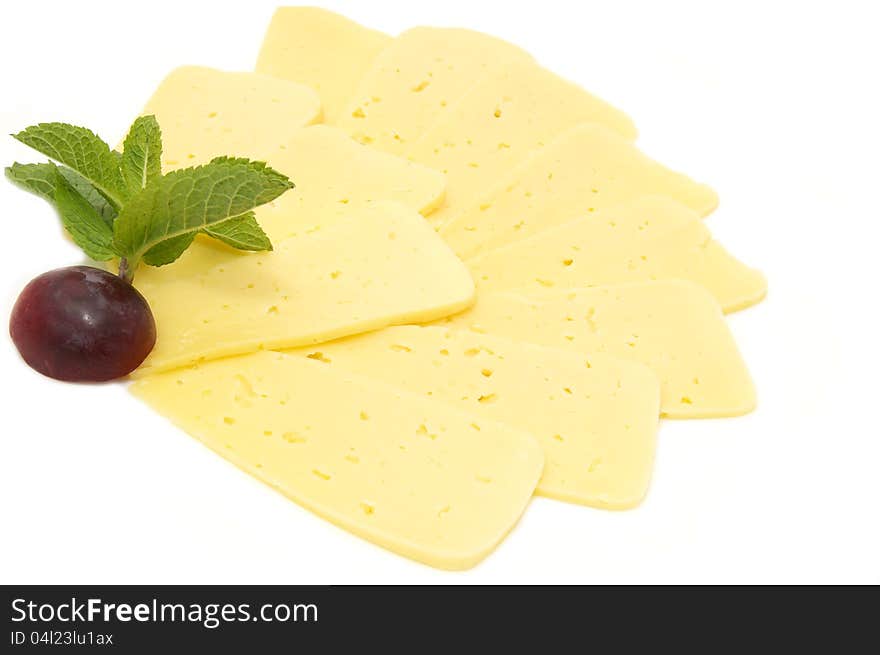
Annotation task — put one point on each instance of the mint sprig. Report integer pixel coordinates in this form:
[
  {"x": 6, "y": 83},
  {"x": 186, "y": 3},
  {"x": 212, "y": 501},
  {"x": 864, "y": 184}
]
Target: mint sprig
[
  {"x": 193, "y": 200},
  {"x": 120, "y": 205}
]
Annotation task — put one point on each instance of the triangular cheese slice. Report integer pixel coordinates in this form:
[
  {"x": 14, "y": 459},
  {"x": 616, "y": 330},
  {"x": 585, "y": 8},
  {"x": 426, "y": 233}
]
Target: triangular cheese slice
[
  {"x": 323, "y": 50},
  {"x": 674, "y": 327},
  {"x": 381, "y": 265},
  {"x": 652, "y": 238},
  {"x": 416, "y": 79},
  {"x": 206, "y": 113},
  {"x": 412, "y": 475}
]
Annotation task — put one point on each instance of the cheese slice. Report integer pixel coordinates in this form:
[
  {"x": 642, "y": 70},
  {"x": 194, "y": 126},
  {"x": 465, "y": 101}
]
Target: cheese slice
[
  {"x": 499, "y": 122},
  {"x": 381, "y": 265},
  {"x": 333, "y": 175},
  {"x": 675, "y": 327},
  {"x": 586, "y": 169},
  {"x": 652, "y": 238},
  {"x": 412, "y": 475},
  {"x": 321, "y": 49},
  {"x": 416, "y": 79},
  {"x": 595, "y": 417},
  {"x": 206, "y": 113}
]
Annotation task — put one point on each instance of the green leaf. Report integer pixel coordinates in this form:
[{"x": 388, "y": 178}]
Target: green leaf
[
  {"x": 142, "y": 154},
  {"x": 41, "y": 179},
  {"x": 167, "y": 251},
  {"x": 86, "y": 227},
  {"x": 90, "y": 193},
  {"x": 191, "y": 200},
  {"x": 81, "y": 150},
  {"x": 243, "y": 233},
  {"x": 37, "y": 178},
  {"x": 260, "y": 167}
]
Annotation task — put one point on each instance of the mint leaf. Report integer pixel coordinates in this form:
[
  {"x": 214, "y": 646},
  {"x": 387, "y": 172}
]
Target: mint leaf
[
  {"x": 90, "y": 193},
  {"x": 41, "y": 179},
  {"x": 81, "y": 150},
  {"x": 167, "y": 251},
  {"x": 189, "y": 201},
  {"x": 243, "y": 233},
  {"x": 142, "y": 153},
  {"x": 259, "y": 166},
  {"x": 86, "y": 227},
  {"x": 37, "y": 178}
]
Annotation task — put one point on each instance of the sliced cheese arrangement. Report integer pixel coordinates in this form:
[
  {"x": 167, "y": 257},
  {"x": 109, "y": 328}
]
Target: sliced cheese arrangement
[
  {"x": 414, "y": 476},
  {"x": 416, "y": 80},
  {"x": 584, "y": 170},
  {"x": 207, "y": 113},
  {"x": 325, "y": 51},
  {"x": 479, "y": 290},
  {"x": 674, "y": 327},
  {"x": 652, "y": 238},
  {"x": 595, "y": 417},
  {"x": 382, "y": 265}
]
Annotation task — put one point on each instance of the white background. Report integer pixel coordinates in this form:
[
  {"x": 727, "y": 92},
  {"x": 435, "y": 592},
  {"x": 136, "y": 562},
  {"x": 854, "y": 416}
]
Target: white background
[{"x": 775, "y": 104}]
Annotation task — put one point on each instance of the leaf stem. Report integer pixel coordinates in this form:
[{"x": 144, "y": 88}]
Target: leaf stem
[{"x": 126, "y": 272}]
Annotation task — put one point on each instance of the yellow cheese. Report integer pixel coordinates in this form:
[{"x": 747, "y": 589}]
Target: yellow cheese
[
  {"x": 652, "y": 238},
  {"x": 673, "y": 326},
  {"x": 323, "y": 50},
  {"x": 333, "y": 174},
  {"x": 416, "y": 79},
  {"x": 595, "y": 417},
  {"x": 379, "y": 266},
  {"x": 586, "y": 169},
  {"x": 412, "y": 475},
  {"x": 206, "y": 113},
  {"x": 499, "y": 122}
]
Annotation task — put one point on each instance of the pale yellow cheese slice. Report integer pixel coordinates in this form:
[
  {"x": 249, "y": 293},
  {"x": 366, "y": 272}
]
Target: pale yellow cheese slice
[
  {"x": 652, "y": 238},
  {"x": 206, "y": 113},
  {"x": 412, "y": 475},
  {"x": 499, "y": 122},
  {"x": 416, "y": 79},
  {"x": 321, "y": 49},
  {"x": 675, "y": 327},
  {"x": 595, "y": 416},
  {"x": 586, "y": 169},
  {"x": 381, "y": 265},
  {"x": 333, "y": 175}
]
